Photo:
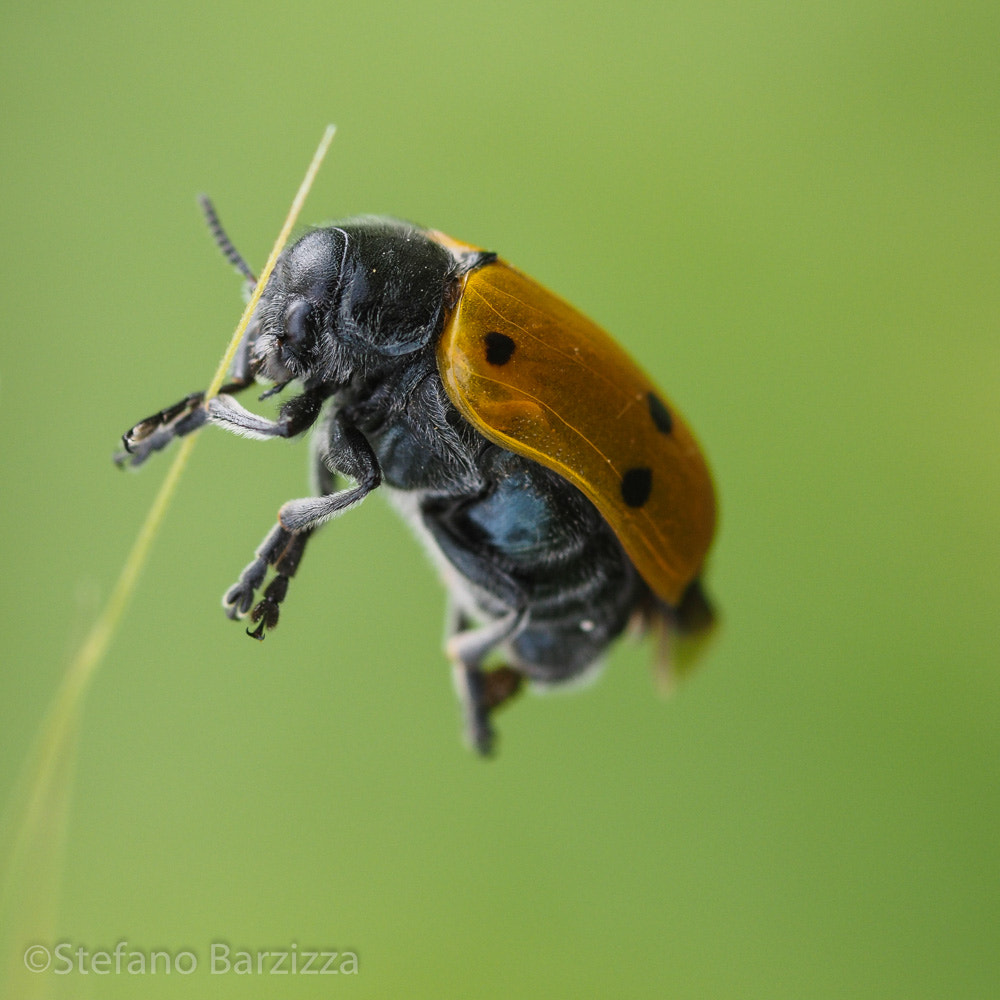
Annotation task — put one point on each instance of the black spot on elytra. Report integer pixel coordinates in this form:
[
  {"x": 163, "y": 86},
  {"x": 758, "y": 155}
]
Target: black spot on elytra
[
  {"x": 636, "y": 486},
  {"x": 499, "y": 348},
  {"x": 660, "y": 414}
]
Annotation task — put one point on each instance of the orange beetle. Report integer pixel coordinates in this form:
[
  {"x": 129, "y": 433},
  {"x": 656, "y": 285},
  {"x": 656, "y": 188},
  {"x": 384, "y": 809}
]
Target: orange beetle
[{"x": 559, "y": 493}]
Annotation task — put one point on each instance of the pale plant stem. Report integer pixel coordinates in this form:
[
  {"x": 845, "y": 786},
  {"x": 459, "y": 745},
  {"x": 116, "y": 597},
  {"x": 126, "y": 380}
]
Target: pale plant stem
[{"x": 34, "y": 821}]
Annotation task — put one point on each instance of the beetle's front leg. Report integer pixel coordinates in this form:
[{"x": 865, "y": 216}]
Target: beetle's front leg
[
  {"x": 297, "y": 415},
  {"x": 347, "y": 451},
  {"x": 282, "y": 550},
  {"x": 157, "y": 431}
]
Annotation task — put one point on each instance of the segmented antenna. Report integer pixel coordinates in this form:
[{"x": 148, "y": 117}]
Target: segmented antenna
[{"x": 223, "y": 242}]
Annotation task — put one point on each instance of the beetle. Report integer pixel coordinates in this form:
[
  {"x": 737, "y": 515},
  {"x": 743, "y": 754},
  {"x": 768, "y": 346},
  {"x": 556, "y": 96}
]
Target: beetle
[{"x": 559, "y": 493}]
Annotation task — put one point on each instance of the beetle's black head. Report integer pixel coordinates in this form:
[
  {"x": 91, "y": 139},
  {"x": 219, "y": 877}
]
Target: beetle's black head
[{"x": 347, "y": 299}]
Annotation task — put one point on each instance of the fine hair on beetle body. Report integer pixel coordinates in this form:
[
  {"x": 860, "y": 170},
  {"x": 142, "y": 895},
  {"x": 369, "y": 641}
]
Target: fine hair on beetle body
[{"x": 559, "y": 495}]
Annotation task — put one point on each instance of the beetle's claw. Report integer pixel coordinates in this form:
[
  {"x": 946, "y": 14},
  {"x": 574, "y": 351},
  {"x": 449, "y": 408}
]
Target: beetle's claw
[
  {"x": 266, "y": 616},
  {"x": 257, "y": 633}
]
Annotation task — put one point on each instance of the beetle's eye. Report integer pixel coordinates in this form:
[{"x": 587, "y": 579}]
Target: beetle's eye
[{"x": 296, "y": 326}]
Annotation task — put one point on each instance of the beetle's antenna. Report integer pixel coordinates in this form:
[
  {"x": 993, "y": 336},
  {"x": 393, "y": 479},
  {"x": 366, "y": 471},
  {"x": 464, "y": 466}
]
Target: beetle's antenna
[{"x": 222, "y": 241}]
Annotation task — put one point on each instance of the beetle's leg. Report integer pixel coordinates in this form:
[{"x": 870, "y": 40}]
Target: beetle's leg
[
  {"x": 189, "y": 414},
  {"x": 281, "y": 549},
  {"x": 348, "y": 452},
  {"x": 297, "y": 415},
  {"x": 480, "y": 691},
  {"x": 157, "y": 431}
]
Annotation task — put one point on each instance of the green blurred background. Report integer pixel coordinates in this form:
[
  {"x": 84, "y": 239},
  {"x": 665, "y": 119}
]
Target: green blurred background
[{"x": 790, "y": 215}]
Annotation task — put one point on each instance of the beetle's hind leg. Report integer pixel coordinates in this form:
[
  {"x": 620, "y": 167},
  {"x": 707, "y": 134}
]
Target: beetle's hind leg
[
  {"x": 281, "y": 549},
  {"x": 481, "y": 691}
]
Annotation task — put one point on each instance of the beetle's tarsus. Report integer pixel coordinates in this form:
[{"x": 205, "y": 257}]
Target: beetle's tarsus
[{"x": 282, "y": 550}]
